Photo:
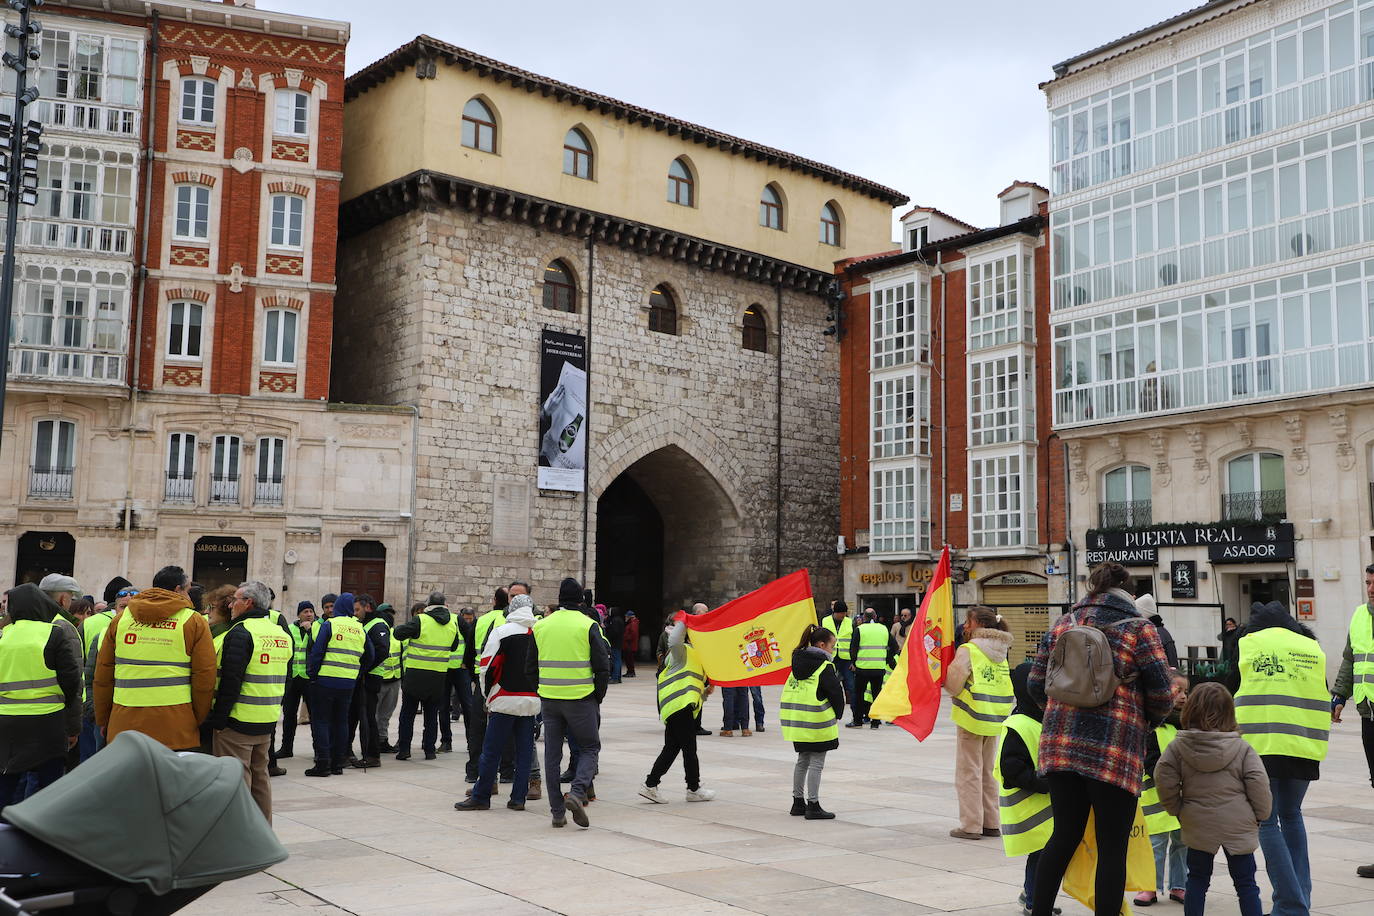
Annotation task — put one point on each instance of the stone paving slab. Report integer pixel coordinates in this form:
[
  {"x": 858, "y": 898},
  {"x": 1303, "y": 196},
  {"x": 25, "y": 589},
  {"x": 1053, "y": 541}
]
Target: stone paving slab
[{"x": 388, "y": 841}]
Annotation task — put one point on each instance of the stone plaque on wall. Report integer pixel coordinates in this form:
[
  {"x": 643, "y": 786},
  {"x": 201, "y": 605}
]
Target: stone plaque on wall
[{"x": 510, "y": 515}]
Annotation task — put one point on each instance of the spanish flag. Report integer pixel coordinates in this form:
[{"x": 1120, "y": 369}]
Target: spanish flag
[
  {"x": 750, "y": 640},
  {"x": 911, "y": 696}
]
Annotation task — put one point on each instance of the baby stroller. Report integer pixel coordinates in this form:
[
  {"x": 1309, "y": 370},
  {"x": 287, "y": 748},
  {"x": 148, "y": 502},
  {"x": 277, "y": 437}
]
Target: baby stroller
[{"x": 136, "y": 829}]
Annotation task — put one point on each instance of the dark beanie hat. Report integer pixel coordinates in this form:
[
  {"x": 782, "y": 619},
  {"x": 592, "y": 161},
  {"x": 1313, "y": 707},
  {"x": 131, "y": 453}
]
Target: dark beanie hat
[
  {"x": 112, "y": 588},
  {"x": 303, "y": 606},
  {"x": 569, "y": 593},
  {"x": 840, "y": 607}
]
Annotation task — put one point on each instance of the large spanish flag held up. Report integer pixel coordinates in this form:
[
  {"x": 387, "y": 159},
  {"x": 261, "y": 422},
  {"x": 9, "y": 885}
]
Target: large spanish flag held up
[
  {"x": 750, "y": 640},
  {"x": 911, "y": 696}
]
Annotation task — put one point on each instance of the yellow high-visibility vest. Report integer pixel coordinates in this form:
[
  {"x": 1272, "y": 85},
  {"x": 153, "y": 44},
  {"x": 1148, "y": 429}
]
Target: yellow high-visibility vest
[
  {"x": 1157, "y": 820},
  {"x": 28, "y": 687},
  {"x": 805, "y": 717},
  {"x": 343, "y": 656},
  {"x": 430, "y": 650},
  {"x": 987, "y": 698},
  {"x": 1282, "y": 706},
  {"x": 1362, "y": 651},
  {"x": 264, "y": 681},
  {"x": 683, "y": 688},
  {"x": 563, "y": 639},
  {"x": 152, "y": 666},
  {"x": 1027, "y": 819}
]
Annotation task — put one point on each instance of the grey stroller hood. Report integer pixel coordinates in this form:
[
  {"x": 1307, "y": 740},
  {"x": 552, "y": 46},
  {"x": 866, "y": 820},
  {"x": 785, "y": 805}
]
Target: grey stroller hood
[{"x": 148, "y": 815}]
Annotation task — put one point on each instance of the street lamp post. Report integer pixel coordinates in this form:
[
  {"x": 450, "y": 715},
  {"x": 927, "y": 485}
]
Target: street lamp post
[{"x": 19, "y": 145}]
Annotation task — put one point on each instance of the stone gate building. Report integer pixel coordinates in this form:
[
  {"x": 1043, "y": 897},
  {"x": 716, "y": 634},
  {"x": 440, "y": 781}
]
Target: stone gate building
[{"x": 487, "y": 208}]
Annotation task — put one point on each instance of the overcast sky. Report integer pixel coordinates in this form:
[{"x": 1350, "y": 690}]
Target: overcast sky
[{"x": 937, "y": 100}]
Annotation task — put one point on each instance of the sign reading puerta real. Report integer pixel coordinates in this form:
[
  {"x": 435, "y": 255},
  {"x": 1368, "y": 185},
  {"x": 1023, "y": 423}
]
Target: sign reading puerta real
[
  {"x": 562, "y": 411},
  {"x": 1225, "y": 542}
]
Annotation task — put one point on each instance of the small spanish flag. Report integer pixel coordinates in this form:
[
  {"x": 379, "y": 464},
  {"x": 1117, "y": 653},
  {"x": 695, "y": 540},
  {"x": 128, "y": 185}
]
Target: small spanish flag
[
  {"x": 750, "y": 640},
  {"x": 911, "y": 696}
]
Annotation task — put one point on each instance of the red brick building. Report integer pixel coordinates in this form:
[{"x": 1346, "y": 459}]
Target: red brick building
[
  {"x": 175, "y": 309},
  {"x": 945, "y": 416}
]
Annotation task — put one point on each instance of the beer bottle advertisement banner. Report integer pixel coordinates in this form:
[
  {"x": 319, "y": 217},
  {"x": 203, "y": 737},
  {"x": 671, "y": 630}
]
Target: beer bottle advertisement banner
[{"x": 562, "y": 411}]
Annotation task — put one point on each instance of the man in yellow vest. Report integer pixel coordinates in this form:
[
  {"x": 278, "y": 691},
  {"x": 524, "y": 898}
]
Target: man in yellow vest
[
  {"x": 297, "y": 683},
  {"x": 838, "y": 622},
  {"x": 155, "y": 669},
  {"x": 40, "y": 695},
  {"x": 876, "y": 652},
  {"x": 362, "y": 714},
  {"x": 573, "y": 665},
  {"x": 682, "y": 688},
  {"x": 92, "y": 629},
  {"x": 431, "y": 636},
  {"x": 1355, "y": 680},
  {"x": 1283, "y": 709},
  {"x": 255, "y": 661},
  {"x": 337, "y": 658},
  {"x": 390, "y": 693}
]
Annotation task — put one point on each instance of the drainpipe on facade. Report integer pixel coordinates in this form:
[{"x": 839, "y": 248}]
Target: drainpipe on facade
[
  {"x": 410, "y": 535},
  {"x": 944, "y": 417},
  {"x": 587, "y": 420},
  {"x": 149, "y": 126},
  {"x": 1069, "y": 548},
  {"x": 777, "y": 462}
]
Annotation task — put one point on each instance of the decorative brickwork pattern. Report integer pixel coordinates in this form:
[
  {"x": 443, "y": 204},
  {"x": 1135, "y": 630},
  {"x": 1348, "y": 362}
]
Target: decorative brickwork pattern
[
  {"x": 183, "y": 376},
  {"x": 196, "y": 140},
  {"x": 251, "y": 45},
  {"x": 288, "y": 187},
  {"x": 181, "y": 293},
  {"x": 282, "y": 302},
  {"x": 290, "y": 151},
  {"x": 277, "y": 382},
  {"x": 192, "y": 177},
  {"x": 291, "y": 265},
  {"x": 185, "y": 256}
]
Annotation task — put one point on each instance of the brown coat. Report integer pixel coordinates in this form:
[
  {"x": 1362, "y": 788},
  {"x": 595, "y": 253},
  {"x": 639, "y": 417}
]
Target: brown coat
[
  {"x": 1216, "y": 786},
  {"x": 177, "y": 726}
]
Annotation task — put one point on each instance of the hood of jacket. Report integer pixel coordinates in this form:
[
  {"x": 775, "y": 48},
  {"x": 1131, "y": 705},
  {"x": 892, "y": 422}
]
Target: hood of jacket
[
  {"x": 154, "y": 604},
  {"x": 523, "y": 615},
  {"x": 343, "y": 605},
  {"x": 1146, "y": 605},
  {"x": 440, "y": 613},
  {"x": 387, "y": 613},
  {"x": 1273, "y": 614},
  {"x": 1025, "y": 705},
  {"x": 376, "y": 614},
  {"x": 805, "y": 662},
  {"x": 29, "y": 602},
  {"x": 1208, "y": 752},
  {"x": 994, "y": 643}
]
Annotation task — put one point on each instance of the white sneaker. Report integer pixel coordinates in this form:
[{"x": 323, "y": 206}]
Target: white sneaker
[
  {"x": 652, "y": 794},
  {"x": 701, "y": 795}
]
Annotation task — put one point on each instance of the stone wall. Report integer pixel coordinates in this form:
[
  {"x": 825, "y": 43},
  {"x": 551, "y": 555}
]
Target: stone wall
[{"x": 443, "y": 310}]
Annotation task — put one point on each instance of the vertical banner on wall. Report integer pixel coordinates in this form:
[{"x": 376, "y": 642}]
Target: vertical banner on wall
[{"x": 562, "y": 411}]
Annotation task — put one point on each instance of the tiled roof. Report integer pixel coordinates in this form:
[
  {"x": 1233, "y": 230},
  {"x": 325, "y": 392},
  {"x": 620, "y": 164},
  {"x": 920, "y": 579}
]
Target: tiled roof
[
  {"x": 1223, "y": 7},
  {"x": 867, "y": 264},
  {"x": 426, "y": 48},
  {"x": 1022, "y": 184},
  {"x": 940, "y": 213}
]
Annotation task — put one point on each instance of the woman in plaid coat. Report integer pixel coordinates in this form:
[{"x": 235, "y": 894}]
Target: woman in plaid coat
[{"x": 1094, "y": 759}]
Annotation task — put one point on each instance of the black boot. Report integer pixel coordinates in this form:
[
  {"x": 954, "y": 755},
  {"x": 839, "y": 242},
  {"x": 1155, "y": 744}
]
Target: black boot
[
  {"x": 798, "y": 807},
  {"x": 814, "y": 812},
  {"x": 319, "y": 769}
]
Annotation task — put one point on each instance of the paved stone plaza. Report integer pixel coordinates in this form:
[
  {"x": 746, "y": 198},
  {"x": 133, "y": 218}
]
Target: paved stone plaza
[{"x": 389, "y": 842}]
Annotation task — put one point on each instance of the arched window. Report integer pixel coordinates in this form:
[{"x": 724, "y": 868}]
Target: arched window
[
  {"x": 755, "y": 328},
  {"x": 770, "y": 208},
  {"x": 577, "y": 155},
  {"x": 479, "y": 126},
  {"x": 1125, "y": 498},
  {"x": 1255, "y": 488},
  {"x": 830, "y": 225},
  {"x": 681, "y": 186},
  {"x": 560, "y": 290},
  {"x": 662, "y": 311}
]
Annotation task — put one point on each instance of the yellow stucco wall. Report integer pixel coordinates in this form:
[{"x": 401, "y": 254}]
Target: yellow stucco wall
[{"x": 406, "y": 124}]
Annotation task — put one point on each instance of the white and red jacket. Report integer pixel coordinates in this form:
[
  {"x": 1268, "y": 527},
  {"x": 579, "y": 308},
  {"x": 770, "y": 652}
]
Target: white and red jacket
[{"x": 504, "y": 670}]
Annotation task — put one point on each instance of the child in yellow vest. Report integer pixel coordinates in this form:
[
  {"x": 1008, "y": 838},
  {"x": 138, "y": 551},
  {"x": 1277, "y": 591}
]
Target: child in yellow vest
[
  {"x": 980, "y": 684},
  {"x": 1027, "y": 820},
  {"x": 1165, "y": 837}
]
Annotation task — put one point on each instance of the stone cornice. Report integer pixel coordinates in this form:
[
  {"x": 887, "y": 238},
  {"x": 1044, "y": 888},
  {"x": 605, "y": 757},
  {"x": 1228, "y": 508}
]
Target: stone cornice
[{"x": 427, "y": 190}]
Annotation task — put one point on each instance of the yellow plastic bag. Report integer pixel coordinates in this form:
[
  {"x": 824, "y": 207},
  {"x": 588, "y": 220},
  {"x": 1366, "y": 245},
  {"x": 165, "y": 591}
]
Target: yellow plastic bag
[{"x": 1081, "y": 878}]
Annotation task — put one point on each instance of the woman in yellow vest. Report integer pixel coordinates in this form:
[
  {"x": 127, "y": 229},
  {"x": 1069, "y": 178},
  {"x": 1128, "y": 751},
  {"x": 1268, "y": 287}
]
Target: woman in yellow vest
[
  {"x": 812, "y": 704},
  {"x": 682, "y": 688},
  {"x": 980, "y": 683},
  {"x": 1165, "y": 836},
  {"x": 1027, "y": 819},
  {"x": 40, "y": 695}
]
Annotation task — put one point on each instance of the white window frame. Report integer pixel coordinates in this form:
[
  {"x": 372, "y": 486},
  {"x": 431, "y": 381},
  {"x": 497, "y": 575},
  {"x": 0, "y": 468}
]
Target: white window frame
[
  {"x": 179, "y": 326},
  {"x": 181, "y": 466},
  {"x": 901, "y": 323},
  {"x": 53, "y": 458},
  {"x": 271, "y": 462},
  {"x": 226, "y": 469},
  {"x": 997, "y": 409},
  {"x": 1001, "y": 513},
  {"x": 192, "y": 213},
  {"x": 199, "y": 92},
  {"x": 274, "y": 322},
  {"x": 291, "y": 113},
  {"x": 287, "y": 222}
]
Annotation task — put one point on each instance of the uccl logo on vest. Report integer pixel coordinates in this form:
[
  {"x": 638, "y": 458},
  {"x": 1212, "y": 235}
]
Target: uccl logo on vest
[{"x": 130, "y": 638}]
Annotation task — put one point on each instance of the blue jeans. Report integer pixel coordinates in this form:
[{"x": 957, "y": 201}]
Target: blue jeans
[
  {"x": 1170, "y": 845},
  {"x": 615, "y": 665},
  {"x": 329, "y": 724},
  {"x": 735, "y": 705},
  {"x": 1028, "y": 885},
  {"x": 1242, "y": 869},
  {"x": 845, "y": 669},
  {"x": 15, "y": 787},
  {"x": 89, "y": 740},
  {"x": 500, "y": 727},
  {"x": 1283, "y": 837},
  {"x": 756, "y": 694},
  {"x": 405, "y": 729}
]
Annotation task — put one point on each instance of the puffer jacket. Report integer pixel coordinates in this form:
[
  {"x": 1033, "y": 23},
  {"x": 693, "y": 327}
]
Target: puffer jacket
[
  {"x": 177, "y": 726},
  {"x": 1216, "y": 786},
  {"x": 506, "y": 679}
]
